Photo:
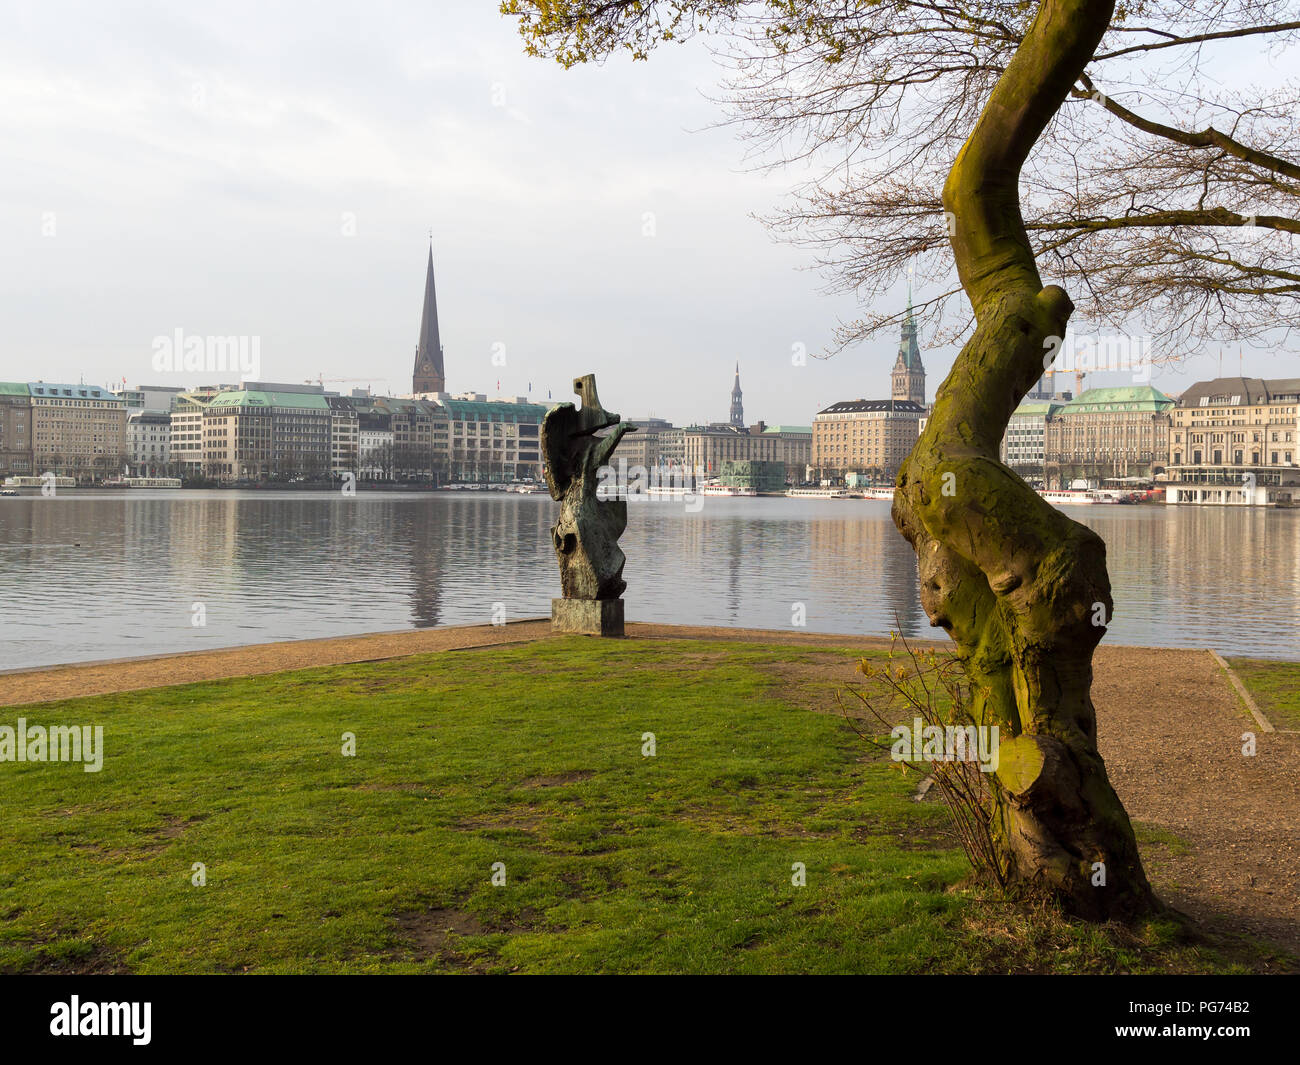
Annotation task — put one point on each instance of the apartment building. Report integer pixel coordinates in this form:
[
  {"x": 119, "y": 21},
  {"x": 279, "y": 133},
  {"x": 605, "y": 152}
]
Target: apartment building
[
  {"x": 869, "y": 438},
  {"x": 1235, "y": 440},
  {"x": 148, "y": 442},
  {"x": 15, "y": 430},
  {"x": 1108, "y": 434},
  {"x": 77, "y": 430}
]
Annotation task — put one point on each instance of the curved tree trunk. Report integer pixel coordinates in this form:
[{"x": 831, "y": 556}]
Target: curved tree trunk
[{"x": 1022, "y": 589}]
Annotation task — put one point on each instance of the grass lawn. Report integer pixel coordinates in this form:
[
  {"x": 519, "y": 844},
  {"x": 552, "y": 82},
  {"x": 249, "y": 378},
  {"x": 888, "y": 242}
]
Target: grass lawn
[
  {"x": 1275, "y": 686},
  {"x": 529, "y": 756}
]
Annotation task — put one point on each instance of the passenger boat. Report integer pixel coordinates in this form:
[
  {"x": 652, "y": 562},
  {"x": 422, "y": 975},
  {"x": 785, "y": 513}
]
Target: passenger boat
[
  {"x": 817, "y": 493},
  {"x": 39, "y": 482},
  {"x": 143, "y": 482},
  {"x": 1076, "y": 497}
]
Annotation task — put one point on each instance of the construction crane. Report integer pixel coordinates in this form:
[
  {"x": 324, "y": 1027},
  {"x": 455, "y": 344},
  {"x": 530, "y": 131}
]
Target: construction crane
[{"x": 341, "y": 380}]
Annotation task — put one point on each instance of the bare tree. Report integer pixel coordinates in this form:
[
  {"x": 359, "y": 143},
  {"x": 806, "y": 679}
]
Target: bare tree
[
  {"x": 1154, "y": 196},
  {"x": 1167, "y": 205}
]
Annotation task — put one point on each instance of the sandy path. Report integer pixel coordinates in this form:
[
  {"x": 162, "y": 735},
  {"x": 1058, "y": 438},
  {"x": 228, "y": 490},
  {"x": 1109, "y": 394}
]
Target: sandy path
[{"x": 1170, "y": 729}]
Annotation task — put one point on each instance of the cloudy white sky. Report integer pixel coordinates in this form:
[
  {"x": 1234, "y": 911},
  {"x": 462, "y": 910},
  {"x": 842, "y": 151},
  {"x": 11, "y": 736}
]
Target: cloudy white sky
[{"x": 274, "y": 170}]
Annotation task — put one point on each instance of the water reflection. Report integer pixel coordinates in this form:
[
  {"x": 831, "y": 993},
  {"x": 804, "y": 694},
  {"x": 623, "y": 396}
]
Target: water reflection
[{"x": 101, "y": 575}]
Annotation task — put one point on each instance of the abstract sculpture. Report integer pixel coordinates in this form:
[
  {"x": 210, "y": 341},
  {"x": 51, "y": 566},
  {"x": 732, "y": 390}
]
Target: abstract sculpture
[{"x": 586, "y": 535}]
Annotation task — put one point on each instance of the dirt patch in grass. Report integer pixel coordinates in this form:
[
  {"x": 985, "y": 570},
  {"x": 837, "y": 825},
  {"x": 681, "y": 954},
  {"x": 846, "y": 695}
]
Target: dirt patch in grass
[
  {"x": 511, "y": 819},
  {"x": 174, "y": 827},
  {"x": 554, "y": 780},
  {"x": 70, "y": 957},
  {"x": 811, "y": 683},
  {"x": 439, "y": 935}
]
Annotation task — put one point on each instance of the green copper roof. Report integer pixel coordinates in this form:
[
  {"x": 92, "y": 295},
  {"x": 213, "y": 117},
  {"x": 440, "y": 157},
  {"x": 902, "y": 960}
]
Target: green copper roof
[
  {"x": 909, "y": 352},
  {"x": 295, "y": 400},
  {"x": 1039, "y": 407},
  {"x": 13, "y": 388},
  {"x": 488, "y": 411},
  {"x": 807, "y": 429},
  {"x": 1141, "y": 398}
]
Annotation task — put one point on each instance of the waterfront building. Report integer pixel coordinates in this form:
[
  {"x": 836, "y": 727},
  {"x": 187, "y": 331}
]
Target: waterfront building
[
  {"x": 1108, "y": 434},
  {"x": 737, "y": 406},
  {"x": 375, "y": 445},
  {"x": 15, "y": 430},
  {"x": 148, "y": 441},
  {"x": 429, "y": 375},
  {"x": 707, "y": 447},
  {"x": 870, "y": 438},
  {"x": 267, "y": 429},
  {"x": 496, "y": 440},
  {"x": 796, "y": 448},
  {"x": 78, "y": 431},
  {"x": 641, "y": 448},
  {"x": 420, "y": 438},
  {"x": 1023, "y": 442},
  {"x": 187, "y": 427},
  {"x": 671, "y": 447},
  {"x": 1235, "y": 440},
  {"x": 345, "y": 444},
  {"x": 866, "y": 437}
]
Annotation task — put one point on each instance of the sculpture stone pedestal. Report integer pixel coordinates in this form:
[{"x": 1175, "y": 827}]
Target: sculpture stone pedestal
[{"x": 587, "y": 617}]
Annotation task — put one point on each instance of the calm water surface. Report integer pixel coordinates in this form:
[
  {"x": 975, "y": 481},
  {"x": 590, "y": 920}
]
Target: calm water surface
[{"x": 91, "y": 575}]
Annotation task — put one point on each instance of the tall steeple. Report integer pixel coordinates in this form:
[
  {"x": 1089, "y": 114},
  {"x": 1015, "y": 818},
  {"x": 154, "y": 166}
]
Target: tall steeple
[
  {"x": 908, "y": 378},
  {"x": 737, "y": 408},
  {"x": 429, "y": 375}
]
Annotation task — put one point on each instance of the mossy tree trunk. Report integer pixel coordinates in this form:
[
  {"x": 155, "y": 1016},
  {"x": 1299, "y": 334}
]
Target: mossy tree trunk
[{"x": 1022, "y": 590}]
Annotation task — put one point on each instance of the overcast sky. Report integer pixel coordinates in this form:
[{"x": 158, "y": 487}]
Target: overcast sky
[{"x": 274, "y": 170}]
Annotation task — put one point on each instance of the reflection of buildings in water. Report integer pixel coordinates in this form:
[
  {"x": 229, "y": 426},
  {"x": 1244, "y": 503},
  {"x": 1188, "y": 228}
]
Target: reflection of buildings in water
[
  {"x": 734, "y": 553},
  {"x": 865, "y": 555},
  {"x": 421, "y": 535},
  {"x": 727, "y": 563},
  {"x": 491, "y": 547},
  {"x": 1225, "y": 573}
]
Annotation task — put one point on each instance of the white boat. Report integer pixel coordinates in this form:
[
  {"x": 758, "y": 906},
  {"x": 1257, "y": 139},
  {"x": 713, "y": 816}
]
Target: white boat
[
  {"x": 1076, "y": 497},
  {"x": 817, "y": 493},
  {"x": 143, "y": 482},
  {"x": 725, "y": 490},
  {"x": 878, "y": 493},
  {"x": 39, "y": 482}
]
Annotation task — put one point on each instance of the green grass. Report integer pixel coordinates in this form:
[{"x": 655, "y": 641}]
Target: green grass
[
  {"x": 1275, "y": 686},
  {"x": 529, "y": 756}
]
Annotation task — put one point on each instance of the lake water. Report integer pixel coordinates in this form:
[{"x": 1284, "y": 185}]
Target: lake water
[{"x": 92, "y": 575}]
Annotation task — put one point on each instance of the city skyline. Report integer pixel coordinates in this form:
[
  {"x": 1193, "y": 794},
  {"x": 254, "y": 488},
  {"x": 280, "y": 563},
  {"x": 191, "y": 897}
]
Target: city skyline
[{"x": 271, "y": 196}]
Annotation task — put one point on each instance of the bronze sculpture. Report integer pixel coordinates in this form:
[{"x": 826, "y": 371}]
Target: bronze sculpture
[{"x": 586, "y": 535}]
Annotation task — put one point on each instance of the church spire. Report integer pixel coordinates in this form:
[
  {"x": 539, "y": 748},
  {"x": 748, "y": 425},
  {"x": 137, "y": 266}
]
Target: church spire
[
  {"x": 737, "y": 407},
  {"x": 429, "y": 375}
]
